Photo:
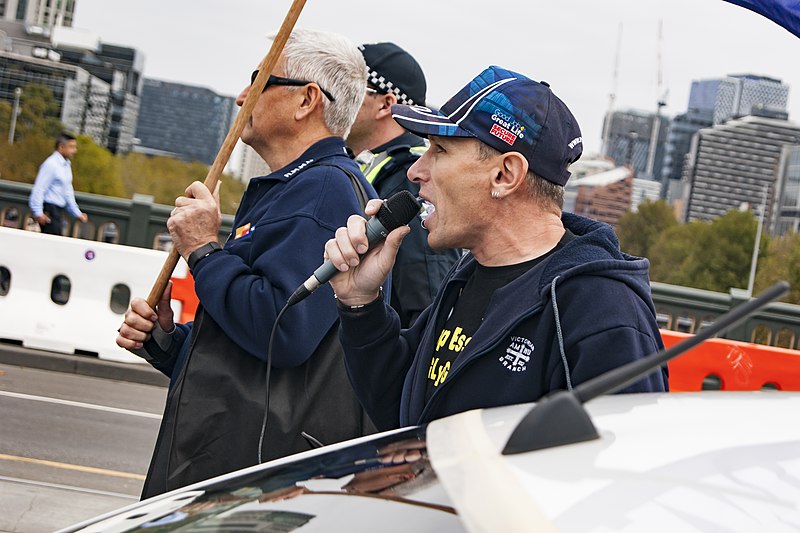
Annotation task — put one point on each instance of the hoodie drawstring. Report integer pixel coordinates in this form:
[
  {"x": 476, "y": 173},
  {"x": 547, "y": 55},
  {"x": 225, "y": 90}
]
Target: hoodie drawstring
[{"x": 558, "y": 331}]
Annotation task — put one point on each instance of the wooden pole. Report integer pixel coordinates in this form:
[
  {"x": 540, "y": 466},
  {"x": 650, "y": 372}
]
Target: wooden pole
[{"x": 264, "y": 70}]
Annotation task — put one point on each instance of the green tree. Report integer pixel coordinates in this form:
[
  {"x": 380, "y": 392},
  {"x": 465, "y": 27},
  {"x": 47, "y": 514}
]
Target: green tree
[
  {"x": 707, "y": 255},
  {"x": 165, "y": 179},
  {"x": 20, "y": 161},
  {"x": 5, "y": 120},
  {"x": 38, "y": 113},
  {"x": 725, "y": 252},
  {"x": 639, "y": 231},
  {"x": 781, "y": 261},
  {"x": 36, "y": 129},
  {"x": 95, "y": 169},
  {"x": 671, "y": 254}
]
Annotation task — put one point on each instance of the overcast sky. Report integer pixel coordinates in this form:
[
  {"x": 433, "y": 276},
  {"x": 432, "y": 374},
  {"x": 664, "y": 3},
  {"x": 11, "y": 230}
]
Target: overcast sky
[{"x": 572, "y": 45}]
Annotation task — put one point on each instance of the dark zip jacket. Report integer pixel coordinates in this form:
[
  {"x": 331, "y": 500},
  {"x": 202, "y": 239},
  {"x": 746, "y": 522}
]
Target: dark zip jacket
[
  {"x": 585, "y": 309},
  {"x": 216, "y": 401}
]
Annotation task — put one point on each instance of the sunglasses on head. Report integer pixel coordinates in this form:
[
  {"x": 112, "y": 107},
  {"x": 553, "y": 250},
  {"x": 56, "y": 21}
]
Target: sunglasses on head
[{"x": 289, "y": 82}]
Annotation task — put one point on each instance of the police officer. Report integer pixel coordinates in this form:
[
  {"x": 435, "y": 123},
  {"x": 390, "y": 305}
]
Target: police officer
[{"x": 385, "y": 152}]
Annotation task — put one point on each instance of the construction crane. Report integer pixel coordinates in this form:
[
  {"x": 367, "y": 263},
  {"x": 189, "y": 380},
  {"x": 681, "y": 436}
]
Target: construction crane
[
  {"x": 611, "y": 96},
  {"x": 661, "y": 101}
]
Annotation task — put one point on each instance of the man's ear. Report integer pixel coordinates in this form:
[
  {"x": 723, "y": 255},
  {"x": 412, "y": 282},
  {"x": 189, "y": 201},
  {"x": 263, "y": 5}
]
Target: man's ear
[
  {"x": 509, "y": 173},
  {"x": 387, "y": 101},
  {"x": 309, "y": 99}
]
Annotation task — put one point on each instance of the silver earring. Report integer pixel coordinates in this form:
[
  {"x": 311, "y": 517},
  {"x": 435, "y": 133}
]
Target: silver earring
[{"x": 495, "y": 195}]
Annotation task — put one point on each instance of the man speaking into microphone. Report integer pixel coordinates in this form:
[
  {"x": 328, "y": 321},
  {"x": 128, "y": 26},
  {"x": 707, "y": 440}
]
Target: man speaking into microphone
[
  {"x": 214, "y": 419},
  {"x": 544, "y": 300}
]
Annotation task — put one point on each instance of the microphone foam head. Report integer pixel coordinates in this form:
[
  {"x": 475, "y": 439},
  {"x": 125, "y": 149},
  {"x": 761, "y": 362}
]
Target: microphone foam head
[{"x": 398, "y": 210}]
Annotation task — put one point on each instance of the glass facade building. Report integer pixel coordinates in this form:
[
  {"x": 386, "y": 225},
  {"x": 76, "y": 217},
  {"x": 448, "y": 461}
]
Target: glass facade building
[
  {"x": 629, "y": 137},
  {"x": 121, "y": 68},
  {"x": 788, "y": 216},
  {"x": 734, "y": 163},
  {"x": 43, "y": 13},
  {"x": 737, "y": 95},
  {"x": 715, "y": 101},
  {"x": 101, "y": 96},
  {"x": 679, "y": 140},
  {"x": 83, "y": 100},
  {"x": 183, "y": 121}
]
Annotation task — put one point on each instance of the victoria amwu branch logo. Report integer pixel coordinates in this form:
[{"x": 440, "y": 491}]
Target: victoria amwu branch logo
[{"x": 518, "y": 354}]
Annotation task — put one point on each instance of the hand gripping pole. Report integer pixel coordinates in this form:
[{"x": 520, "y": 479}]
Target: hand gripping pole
[{"x": 264, "y": 70}]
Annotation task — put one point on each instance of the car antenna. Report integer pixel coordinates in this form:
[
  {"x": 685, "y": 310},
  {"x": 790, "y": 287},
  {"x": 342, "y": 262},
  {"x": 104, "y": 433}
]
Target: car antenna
[{"x": 559, "y": 418}]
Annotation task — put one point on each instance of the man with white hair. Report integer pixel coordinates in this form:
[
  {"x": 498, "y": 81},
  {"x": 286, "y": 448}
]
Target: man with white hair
[{"x": 221, "y": 415}]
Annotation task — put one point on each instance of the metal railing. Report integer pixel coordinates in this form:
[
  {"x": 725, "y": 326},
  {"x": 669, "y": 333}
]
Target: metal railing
[{"x": 133, "y": 222}]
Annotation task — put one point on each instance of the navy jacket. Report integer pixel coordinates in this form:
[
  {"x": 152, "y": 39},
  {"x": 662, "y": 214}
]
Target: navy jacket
[
  {"x": 215, "y": 406},
  {"x": 588, "y": 297}
]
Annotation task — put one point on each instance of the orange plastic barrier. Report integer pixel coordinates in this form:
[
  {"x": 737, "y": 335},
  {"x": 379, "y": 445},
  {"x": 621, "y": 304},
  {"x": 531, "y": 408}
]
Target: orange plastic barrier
[
  {"x": 740, "y": 366},
  {"x": 183, "y": 291}
]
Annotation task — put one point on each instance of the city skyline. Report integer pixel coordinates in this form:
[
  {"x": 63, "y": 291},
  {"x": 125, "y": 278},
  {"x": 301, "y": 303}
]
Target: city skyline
[{"x": 199, "y": 43}]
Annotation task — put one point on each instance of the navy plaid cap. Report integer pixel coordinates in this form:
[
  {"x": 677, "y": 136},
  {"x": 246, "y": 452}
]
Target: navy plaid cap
[{"x": 510, "y": 113}]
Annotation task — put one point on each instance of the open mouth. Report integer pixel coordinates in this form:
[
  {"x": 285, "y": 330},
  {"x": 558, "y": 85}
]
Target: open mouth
[{"x": 426, "y": 211}]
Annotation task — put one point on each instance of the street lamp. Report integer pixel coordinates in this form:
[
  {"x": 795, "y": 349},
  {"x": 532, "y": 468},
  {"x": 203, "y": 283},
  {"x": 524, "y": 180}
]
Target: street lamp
[
  {"x": 754, "y": 260},
  {"x": 17, "y": 94}
]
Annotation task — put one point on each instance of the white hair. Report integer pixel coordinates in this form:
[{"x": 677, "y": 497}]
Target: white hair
[{"x": 335, "y": 64}]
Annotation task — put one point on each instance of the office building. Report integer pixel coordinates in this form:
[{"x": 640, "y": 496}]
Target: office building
[
  {"x": 787, "y": 218},
  {"x": 735, "y": 163},
  {"x": 736, "y": 95},
  {"x": 644, "y": 191},
  {"x": 604, "y": 196},
  {"x": 585, "y": 166},
  {"x": 119, "y": 66},
  {"x": 185, "y": 121},
  {"x": 629, "y": 141},
  {"x": 102, "y": 94},
  {"x": 715, "y": 101},
  {"x": 679, "y": 139},
  {"x": 82, "y": 99},
  {"x": 44, "y": 14}
]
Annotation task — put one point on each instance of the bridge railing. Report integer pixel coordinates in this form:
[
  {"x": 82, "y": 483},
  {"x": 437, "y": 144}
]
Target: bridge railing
[
  {"x": 686, "y": 310},
  {"x": 134, "y": 222}
]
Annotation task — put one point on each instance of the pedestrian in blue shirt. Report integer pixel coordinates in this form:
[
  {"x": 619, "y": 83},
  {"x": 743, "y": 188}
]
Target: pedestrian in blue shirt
[
  {"x": 543, "y": 301},
  {"x": 52, "y": 195}
]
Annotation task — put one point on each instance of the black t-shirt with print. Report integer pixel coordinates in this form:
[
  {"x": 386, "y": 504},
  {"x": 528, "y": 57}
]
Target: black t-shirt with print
[{"x": 468, "y": 311}]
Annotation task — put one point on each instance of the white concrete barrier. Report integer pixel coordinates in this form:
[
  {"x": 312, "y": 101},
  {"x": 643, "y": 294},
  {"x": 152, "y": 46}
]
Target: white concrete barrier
[{"x": 86, "y": 321}]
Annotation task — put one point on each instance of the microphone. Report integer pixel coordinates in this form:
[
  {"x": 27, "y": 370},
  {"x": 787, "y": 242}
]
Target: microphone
[{"x": 397, "y": 211}]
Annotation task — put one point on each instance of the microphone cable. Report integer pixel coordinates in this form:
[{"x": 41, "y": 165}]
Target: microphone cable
[
  {"x": 398, "y": 210},
  {"x": 266, "y": 387}
]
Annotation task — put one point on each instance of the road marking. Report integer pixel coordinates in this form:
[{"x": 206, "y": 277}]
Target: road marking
[
  {"x": 79, "y": 404},
  {"x": 67, "y": 466},
  {"x": 68, "y": 487}
]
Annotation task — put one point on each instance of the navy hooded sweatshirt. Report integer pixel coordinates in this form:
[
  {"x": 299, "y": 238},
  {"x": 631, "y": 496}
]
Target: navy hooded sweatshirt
[{"x": 585, "y": 309}]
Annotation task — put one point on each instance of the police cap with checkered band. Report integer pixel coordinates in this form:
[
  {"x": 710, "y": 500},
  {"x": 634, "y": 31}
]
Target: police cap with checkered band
[{"x": 390, "y": 69}]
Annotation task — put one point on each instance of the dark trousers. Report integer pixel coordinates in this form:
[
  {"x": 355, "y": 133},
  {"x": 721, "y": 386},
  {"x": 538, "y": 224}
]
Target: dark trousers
[{"x": 58, "y": 219}]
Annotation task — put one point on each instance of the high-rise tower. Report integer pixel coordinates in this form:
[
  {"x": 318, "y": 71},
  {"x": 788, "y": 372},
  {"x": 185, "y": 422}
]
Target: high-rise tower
[{"x": 43, "y": 13}]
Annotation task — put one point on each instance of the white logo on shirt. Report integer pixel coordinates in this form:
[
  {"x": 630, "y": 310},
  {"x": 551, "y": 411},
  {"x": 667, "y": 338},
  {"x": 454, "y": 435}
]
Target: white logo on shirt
[
  {"x": 518, "y": 354},
  {"x": 298, "y": 168}
]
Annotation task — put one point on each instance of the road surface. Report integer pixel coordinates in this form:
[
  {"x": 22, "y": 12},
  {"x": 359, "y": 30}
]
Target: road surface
[{"x": 71, "y": 446}]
